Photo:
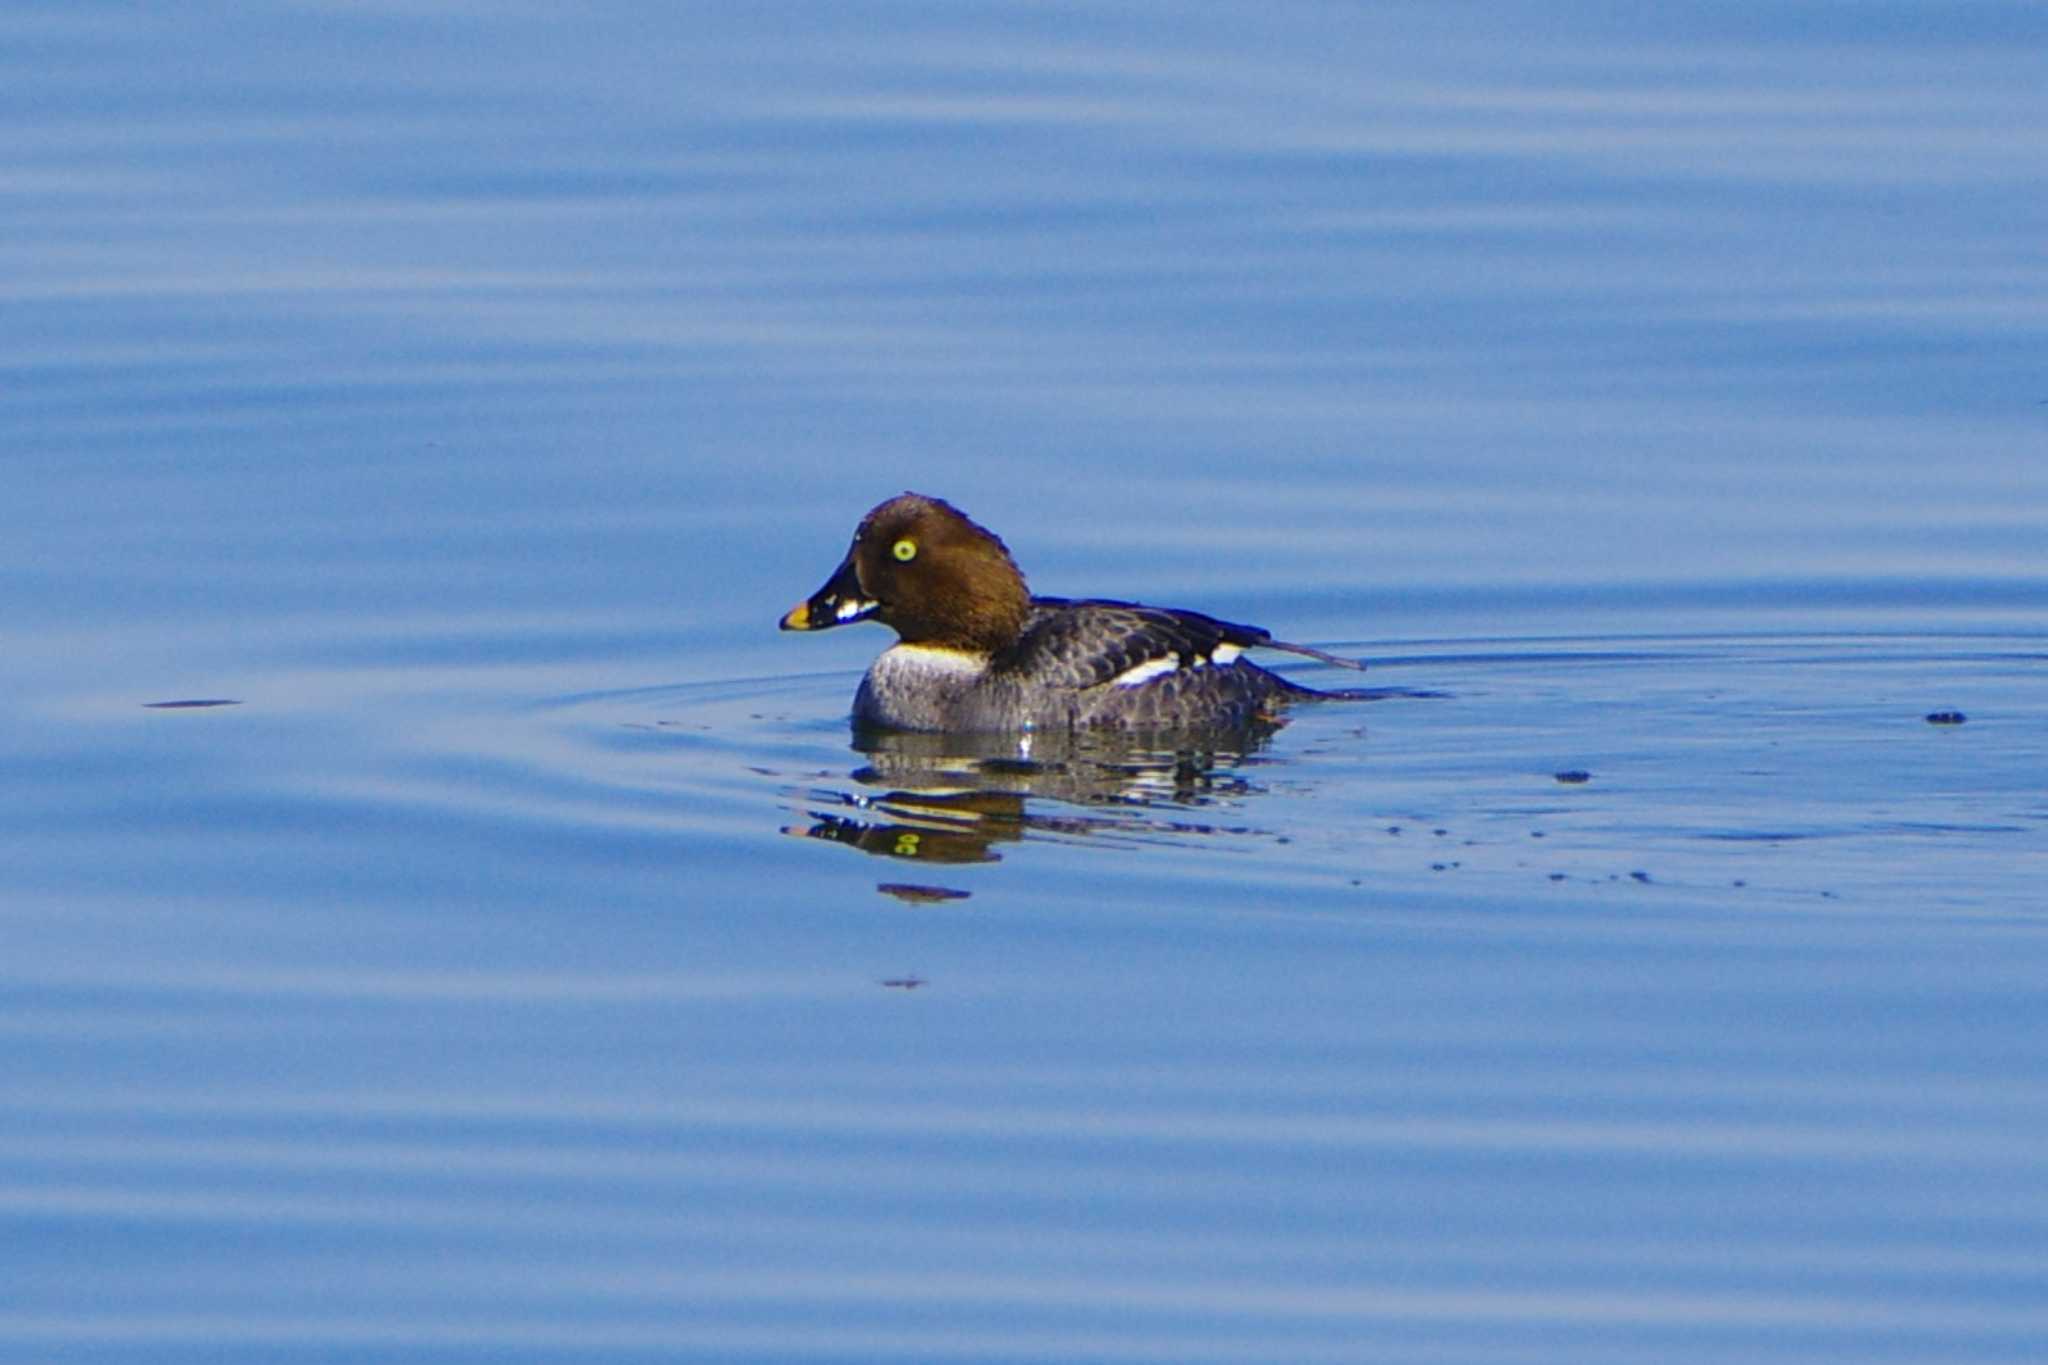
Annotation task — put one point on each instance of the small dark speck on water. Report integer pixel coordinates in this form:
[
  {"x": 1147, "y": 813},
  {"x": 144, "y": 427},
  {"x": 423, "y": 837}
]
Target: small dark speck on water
[
  {"x": 1643, "y": 877},
  {"x": 904, "y": 983},
  {"x": 1946, "y": 718},
  {"x": 1574, "y": 776},
  {"x": 190, "y": 704}
]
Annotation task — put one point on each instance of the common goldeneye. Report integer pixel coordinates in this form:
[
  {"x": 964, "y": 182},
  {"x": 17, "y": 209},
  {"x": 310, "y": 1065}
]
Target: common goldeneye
[{"x": 978, "y": 652}]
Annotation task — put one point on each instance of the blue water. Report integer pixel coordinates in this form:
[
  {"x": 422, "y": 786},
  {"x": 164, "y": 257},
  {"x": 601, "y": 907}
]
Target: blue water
[{"x": 526, "y": 964}]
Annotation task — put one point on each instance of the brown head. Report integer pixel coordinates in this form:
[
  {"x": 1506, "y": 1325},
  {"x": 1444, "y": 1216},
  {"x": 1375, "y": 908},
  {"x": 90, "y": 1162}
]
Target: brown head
[{"x": 922, "y": 567}]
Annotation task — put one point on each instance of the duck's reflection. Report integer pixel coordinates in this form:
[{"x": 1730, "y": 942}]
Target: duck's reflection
[{"x": 944, "y": 798}]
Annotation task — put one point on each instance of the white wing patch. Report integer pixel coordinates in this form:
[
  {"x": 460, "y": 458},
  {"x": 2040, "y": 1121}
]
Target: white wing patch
[
  {"x": 1139, "y": 674},
  {"x": 1145, "y": 672}
]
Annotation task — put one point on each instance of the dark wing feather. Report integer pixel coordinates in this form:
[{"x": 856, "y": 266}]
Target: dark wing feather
[{"x": 1082, "y": 644}]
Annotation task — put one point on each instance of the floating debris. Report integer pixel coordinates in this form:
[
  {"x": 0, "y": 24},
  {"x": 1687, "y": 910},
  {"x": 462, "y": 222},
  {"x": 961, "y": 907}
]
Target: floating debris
[
  {"x": 1946, "y": 718},
  {"x": 1574, "y": 776}
]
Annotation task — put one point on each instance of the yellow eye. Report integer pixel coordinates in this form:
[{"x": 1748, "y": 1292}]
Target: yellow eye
[{"x": 904, "y": 549}]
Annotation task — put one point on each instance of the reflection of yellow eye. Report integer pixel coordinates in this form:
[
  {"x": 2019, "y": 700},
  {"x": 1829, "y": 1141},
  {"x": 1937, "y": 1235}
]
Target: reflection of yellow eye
[{"x": 904, "y": 549}]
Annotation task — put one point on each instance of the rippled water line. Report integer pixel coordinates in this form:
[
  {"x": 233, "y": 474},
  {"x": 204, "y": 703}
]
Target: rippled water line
[
  {"x": 453, "y": 986},
  {"x": 1135, "y": 1301},
  {"x": 1177, "y": 1126},
  {"x": 1451, "y": 1252}
]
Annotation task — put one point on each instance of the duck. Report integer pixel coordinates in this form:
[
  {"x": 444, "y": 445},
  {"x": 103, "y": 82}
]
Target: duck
[{"x": 977, "y": 652}]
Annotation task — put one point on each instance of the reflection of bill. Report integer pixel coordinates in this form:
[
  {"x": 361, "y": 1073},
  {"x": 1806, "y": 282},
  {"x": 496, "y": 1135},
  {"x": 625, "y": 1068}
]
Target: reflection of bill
[{"x": 945, "y": 798}]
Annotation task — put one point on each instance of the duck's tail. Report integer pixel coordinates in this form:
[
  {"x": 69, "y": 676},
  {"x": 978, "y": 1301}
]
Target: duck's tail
[
  {"x": 1312, "y": 653},
  {"x": 1341, "y": 693}
]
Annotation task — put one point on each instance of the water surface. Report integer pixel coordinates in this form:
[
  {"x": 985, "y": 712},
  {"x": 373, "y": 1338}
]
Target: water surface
[{"x": 529, "y": 963}]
